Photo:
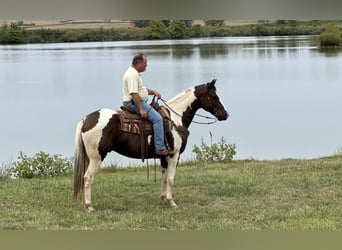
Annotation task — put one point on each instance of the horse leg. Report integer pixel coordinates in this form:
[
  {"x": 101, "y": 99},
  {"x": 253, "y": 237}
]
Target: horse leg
[
  {"x": 163, "y": 183},
  {"x": 168, "y": 178},
  {"x": 94, "y": 166}
]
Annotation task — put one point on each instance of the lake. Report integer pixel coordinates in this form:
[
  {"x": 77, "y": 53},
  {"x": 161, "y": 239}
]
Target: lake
[{"x": 283, "y": 93}]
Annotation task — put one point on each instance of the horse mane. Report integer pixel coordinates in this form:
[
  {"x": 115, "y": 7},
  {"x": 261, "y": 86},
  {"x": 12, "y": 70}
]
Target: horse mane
[{"x": 183, "y": 100}]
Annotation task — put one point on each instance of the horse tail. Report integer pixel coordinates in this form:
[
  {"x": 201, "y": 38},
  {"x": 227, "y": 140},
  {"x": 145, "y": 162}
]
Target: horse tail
[{"x": 81, "y": 162}]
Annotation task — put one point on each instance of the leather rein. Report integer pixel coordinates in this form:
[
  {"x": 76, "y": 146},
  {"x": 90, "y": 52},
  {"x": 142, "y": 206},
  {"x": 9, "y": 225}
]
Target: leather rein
[{"x": 199, "y": 115}]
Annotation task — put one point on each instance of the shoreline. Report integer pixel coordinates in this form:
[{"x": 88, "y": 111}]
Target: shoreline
[{"x": 96, "y": 24}]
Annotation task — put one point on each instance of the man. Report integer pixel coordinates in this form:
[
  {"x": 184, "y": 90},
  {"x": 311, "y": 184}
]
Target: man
[{"x": 135, "y": 96}]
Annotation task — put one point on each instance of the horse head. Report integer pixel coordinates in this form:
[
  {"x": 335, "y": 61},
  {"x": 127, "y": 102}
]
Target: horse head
[{"x": 210, "y": 101}]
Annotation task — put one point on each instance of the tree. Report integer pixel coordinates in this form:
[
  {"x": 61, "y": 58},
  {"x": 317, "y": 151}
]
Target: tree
[
  {"x": 141, "y": 23},
  {"x": 214, "y": 22},
  {"x": 178, "y": 29},
  {"x": 157, "y": 30},
  {"x": 12, "y": 34},
  {"x": 330, "y": 37}
]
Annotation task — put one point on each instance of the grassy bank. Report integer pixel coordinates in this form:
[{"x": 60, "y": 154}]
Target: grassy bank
[
  {"x": 16, "y": 33},
  {"x": 242, "y": 195}
]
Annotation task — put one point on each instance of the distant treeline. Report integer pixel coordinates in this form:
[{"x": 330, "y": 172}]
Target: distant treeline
[{"x": 15, "y": 33}]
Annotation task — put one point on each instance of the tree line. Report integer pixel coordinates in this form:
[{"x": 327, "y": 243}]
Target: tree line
[{"x": 15, "y": 33}]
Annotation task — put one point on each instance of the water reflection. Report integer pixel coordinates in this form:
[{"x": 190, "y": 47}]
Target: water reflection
[
  {"x": 182, "y": 51},
  {"x": 209, "y": 51},
  {"x": 283, "y": 93},
  {"x": 330, "y": 52}
]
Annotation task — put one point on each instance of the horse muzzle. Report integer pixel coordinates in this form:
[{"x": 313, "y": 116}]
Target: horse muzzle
[{"x": 222, "y": 116}]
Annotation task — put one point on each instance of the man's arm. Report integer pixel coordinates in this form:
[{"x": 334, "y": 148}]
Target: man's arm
[
  {"x": 154, "y": 92},
  {"x": 136, "y": 100}
]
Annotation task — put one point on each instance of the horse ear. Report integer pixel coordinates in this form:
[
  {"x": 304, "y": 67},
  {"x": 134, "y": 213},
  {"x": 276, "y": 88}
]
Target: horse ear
[{"x": 212, "y": 83}]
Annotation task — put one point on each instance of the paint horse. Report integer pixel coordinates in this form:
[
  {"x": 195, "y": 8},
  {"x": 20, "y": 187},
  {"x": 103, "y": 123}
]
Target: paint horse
[{"x": 99, "y": 133}]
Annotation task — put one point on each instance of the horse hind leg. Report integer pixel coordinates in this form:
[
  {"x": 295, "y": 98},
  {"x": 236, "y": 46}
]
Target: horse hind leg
[{"x": 89, "y": 176}]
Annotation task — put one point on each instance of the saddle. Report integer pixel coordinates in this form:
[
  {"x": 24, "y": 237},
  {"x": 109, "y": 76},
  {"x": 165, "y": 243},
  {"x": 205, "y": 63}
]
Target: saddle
[{"x": 131, "y": 122}]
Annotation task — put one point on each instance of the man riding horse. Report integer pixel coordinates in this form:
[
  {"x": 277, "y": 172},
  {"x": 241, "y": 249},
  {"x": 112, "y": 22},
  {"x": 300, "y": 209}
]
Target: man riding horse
[{"x": 135, "y": 96}]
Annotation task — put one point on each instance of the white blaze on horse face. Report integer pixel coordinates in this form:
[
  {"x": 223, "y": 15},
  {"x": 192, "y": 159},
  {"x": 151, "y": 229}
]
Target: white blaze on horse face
[
  {"x": 221, "y": 102},
  {"x": 93, "y": 136}
]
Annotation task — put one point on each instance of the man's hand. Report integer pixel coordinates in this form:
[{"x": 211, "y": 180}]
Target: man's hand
[
  {"x": 143, "y": 113},
  {"x": 136, "y": 100},
  {"x": 154, "y": 92},
  {"x": 157, "y": 94}
]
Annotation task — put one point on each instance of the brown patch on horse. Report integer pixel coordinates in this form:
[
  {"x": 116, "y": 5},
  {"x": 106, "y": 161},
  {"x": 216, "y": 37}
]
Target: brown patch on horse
[
  {"x": 90, "y": 121},
  {"x": 184, "y": 134},
  {"x": 109, "y": 132}
]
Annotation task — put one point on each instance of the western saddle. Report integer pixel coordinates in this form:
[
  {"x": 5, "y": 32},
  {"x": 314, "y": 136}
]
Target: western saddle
[{"x": 132, "y": 123}]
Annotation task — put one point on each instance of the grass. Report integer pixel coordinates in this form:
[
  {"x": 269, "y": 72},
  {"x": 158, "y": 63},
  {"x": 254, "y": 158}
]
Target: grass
[{"x": 287, "y": 194}]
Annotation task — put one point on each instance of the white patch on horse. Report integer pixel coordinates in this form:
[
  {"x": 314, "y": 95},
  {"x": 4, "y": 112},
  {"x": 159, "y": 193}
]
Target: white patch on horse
[
  {"x": 177, "y": 139},
  {"x": 168, "y": 174},
  {"x": 149, "y": 139},
  {"x": 93, "y": 136},
  {"x": 180, "y": 103}
]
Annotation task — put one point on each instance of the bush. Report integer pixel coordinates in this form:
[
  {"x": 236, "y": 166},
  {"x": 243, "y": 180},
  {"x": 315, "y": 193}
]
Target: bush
[
  {"x": 178, "y": 29},
  {"x": 12, "y": 34},
  {"x": 214, "y": 22},
  {"x": 141, "y": 23},
  {"x": 157, "y": 30},
  {"x": 331, "y": 36},
  {"x": 5, "y": 170},
  {"x": 220, "y": 151},
  {"x": 41, "y": 165}
]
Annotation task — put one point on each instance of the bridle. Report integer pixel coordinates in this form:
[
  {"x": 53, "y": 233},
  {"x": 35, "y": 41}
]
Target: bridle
[{"x": 214, "y": 119}]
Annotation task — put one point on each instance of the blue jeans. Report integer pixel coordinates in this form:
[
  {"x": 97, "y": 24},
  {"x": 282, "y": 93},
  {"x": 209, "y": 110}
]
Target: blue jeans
[{"x": 156, "y": 119}]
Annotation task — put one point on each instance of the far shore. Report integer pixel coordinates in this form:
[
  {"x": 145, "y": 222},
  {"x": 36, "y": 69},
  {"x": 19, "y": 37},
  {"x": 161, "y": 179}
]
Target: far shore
[{"x": 93, "y": 24}]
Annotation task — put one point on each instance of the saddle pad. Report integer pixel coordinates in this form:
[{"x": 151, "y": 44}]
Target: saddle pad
[{"x": 130, "y": 123}]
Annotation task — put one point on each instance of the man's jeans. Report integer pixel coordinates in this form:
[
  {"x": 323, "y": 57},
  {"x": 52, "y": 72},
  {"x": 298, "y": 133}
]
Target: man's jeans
[{"x": 156, "y": 119}]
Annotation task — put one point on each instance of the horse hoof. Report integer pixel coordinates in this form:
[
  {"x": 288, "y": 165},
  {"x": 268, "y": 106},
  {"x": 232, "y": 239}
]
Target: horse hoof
[
  {"x": 88, "y": 208},
  {"x": 173, "y": 204}
]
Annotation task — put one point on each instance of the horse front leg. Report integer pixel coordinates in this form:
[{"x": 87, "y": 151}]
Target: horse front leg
[
  {"x": 168, "y": 177},
  {"x": 163, "y": 183}
]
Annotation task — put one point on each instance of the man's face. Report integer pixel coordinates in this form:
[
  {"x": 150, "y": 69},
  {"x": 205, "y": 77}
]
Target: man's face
[{"x": 141, "y": 66}]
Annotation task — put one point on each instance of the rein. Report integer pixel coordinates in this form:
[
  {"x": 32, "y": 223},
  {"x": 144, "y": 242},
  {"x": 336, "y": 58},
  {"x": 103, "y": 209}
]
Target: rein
[{"x": 199, "y": 115}]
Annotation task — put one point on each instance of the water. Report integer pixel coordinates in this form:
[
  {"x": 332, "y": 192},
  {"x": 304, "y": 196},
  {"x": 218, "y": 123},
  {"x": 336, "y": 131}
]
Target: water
[{"x": 283, "y": 93}]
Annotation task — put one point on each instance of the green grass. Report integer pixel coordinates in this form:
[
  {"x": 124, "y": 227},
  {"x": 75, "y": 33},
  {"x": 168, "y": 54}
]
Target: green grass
[{"x": 241, "y": 195}]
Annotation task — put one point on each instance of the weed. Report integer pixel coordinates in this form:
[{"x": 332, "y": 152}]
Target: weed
[
  {"x": 220, "y": 151},
  {"x": 41, "y": 165}
]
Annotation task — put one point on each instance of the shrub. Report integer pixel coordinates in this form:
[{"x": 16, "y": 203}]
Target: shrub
[
  {"x": 178, "y": 29},
  {"x": 331, "y": 36},
  {"x": 5, "y": 170},
  {"x": 214, "y": 22},
  {"x": 220, "y": 151},
  {"x": 157, "y": 30},
  {"x": 12, "y": 34},
  {"x": 141, "y": 23},
  {"x": 41, "y": 165}
]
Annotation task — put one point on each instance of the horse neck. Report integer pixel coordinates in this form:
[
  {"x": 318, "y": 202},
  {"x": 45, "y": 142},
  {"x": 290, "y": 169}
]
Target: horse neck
[{"x": 184, "y": 107}]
